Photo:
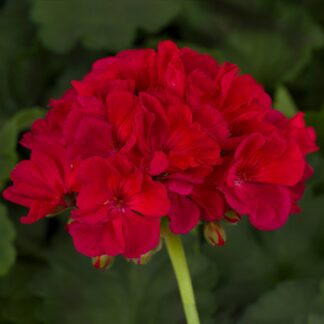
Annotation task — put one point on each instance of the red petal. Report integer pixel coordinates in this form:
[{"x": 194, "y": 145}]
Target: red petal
[
  {"x": 159, "y": 163},
  {"x": 121, "y": 109},
  {"x": 184, "y": 214},
  {"x": 211, "y": 202},
  {"x": 142, "y": 235},
  {"x": 94, "y": 240},
  {"x": 86, "y": 143},
  {"x": 38, "y": 210},
  {"x": 152, "y": 200},
  {"x": 268, "y": 206}
]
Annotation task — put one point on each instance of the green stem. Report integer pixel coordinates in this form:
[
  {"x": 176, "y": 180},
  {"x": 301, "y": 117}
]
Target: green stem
[{"x": 180, "y": 267}]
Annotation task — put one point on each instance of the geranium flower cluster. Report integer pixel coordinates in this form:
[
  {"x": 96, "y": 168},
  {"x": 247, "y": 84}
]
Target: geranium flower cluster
[{"x": 169, "y": 133}]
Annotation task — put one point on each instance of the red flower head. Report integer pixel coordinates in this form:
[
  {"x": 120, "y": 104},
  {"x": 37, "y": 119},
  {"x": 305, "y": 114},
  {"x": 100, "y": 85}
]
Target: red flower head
[
  {"x": 119, "y": 209},
  {"x": 259, "y": 178},
  {"x": 42, "y": 183},
  {"x": 148, "y": 134}
]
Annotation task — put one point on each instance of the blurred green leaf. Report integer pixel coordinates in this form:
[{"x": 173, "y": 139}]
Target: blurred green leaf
[
  {"x": 315, "y": 319},
  {"x": 99, "y": 24},
  {"x": 7, "y": 235},
  {"x": 124, "y": 294},
  {"x": 24, "y": 118},
  {"x": 272, "y": 40},
  {"x": 297, "y": 249},
  {"x": 14, "y": 31},
  {"x": 245, "y": 267},
  {"x": 284, "y": 102},
  {"x": 316, "y": 119},
  {"x": 17, "y": 304},
  {"x": 252, "y": 262},
  {"x": 308, "y": 86},
  {"x": 317, "y": 182},
  {"x": 9, "y": 132},
  {"x": 74, "y": 67},
  {"x": 289, "y": 303},
  {"x": 15, "y": 36}
]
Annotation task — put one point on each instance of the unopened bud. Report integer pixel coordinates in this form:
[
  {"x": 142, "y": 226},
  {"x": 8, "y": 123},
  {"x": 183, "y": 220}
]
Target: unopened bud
[
  {"x": 102, "y": 262},
  {"x": 215, "y": 233},
  {"x": 232, "y": 217},
  {"x": 143, "y": 259}
]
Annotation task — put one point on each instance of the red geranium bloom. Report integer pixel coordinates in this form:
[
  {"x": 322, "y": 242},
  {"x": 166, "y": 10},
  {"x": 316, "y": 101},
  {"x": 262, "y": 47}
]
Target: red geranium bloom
[
  {"x": 119, "y": 209},
  {"x": 162, "y": 133},
  {"x": 42, "y": 183},
  {"x": 259, "y": 176},
  {"x": 50, "y": 129}
]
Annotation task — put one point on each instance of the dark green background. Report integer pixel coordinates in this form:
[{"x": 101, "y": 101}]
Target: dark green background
[{"x": 257, "y": 278}]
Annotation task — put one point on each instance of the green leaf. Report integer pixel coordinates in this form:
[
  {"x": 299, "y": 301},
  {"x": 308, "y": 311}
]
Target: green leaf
[
  {"x": 245, "y": 267},
  {"x": 316, "y": 119},
  {"x": 7, "y": 235},
  {"x": 317, "y": 182},
  {"x": 315, "y": 319},
  {"x": 17, "y": 304},
  {"x": 272, "y": 40},
  {"x": 289, "y": 303},
  {"x": 99, "y": 24},
  {"x": 24, "y": 118},
  {"x": 252, "y": 262},
  {"x": 297, "y": 248},
  {"x": 9, "y": 132},
  {"x": 15, "y": 35},
  {"x": 308, "y": 86},
  {"x": 284, "y": 102},
  {"x": 124, "y": 294}
]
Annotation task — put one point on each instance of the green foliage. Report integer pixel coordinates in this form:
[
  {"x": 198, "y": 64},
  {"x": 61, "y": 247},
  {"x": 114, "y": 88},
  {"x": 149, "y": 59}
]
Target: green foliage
[
  {"x": 14, "y": 33},
  {"x": 284, "y": 102},
  {"x": 252, "y": 263},
  {"x": 272, "y": 40},
  {"x": 289, "y": 303},
  {"x": 316, "y": 119},
  {"x": 7, "y": 235},
  {"x": 147, "y": 292},
  {"x": 256, "y": 278},
  {"x": 99, "y": 24},
  {"x": 18, "y": 305},
  {"x": 9, "y": 132}
]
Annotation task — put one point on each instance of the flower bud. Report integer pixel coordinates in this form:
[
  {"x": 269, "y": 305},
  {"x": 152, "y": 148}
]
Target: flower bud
[
  {"x": 102, "y": 262},
  {"x": 215, "y": 233},
  {"x": 232, "y": 217},
  {"x": 143, "y": 259}
]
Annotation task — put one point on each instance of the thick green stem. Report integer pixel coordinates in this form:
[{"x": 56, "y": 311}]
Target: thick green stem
[{"x": 180, "y": 267}]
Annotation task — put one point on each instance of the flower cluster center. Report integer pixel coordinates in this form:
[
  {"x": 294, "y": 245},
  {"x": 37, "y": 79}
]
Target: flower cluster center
[{"x": 116, "y": 203}]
